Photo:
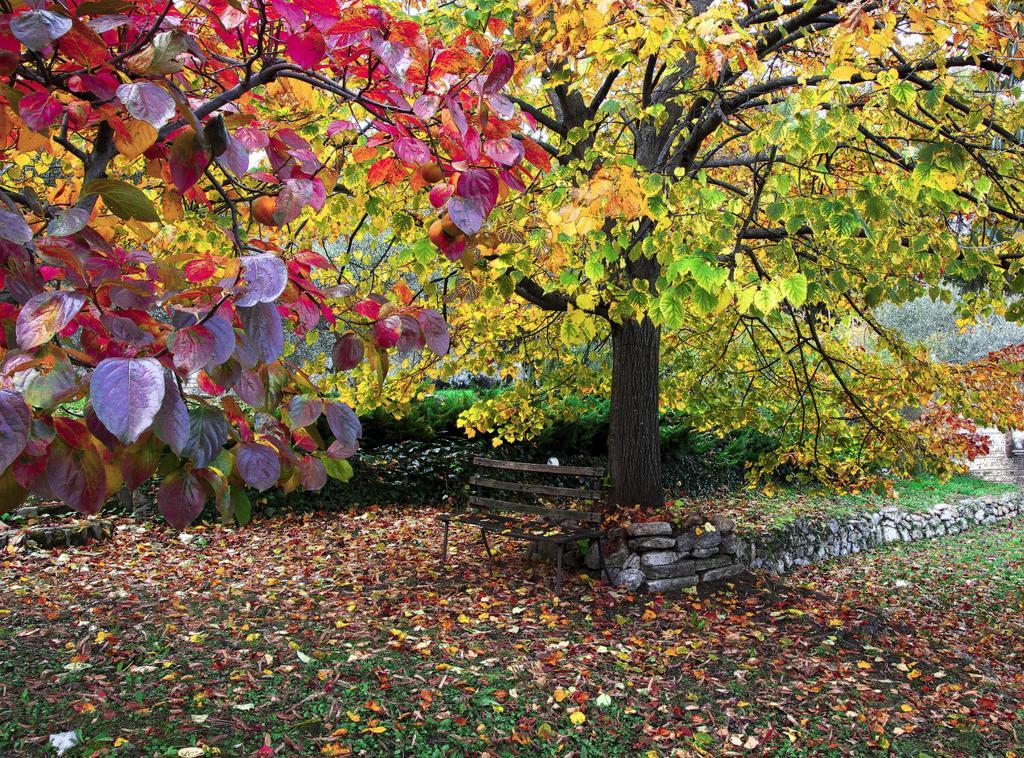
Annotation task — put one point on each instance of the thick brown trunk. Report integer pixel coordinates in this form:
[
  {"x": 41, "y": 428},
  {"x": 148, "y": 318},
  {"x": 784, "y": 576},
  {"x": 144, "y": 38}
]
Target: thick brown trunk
[{"x": 634, "y": 446}]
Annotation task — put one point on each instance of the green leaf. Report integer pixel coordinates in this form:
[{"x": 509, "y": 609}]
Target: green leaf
[
  {"x": 337, "y": 469},
  {"x": 708, "y": 277},
  {"x": 672, "y": 308},
  {"x": 241, "y": 505},
  {"x": 123, "y": 200},
  {"x": 794, "y": 289}
]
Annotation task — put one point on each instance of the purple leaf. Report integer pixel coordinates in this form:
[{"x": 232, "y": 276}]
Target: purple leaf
[
  {"x": 46, "y": 314},
  {"x": 344, "y": 423},
  {"x": 501, "y": 72},
  {"x": 412, "y": 150},
  {"x": 69, "y": 222},
  {"x": 236, "y": 158},
  {"x": 458, "y": 115},
  {"x": 207, "y": 433},
  {"x": 127, "y": 394},
  {"x": 304, "y": 410},
  {"x": 77, "y": 477},
  {"x": 258, "y": 465},
  {"x": 250, "y": 389},
  {"x": 314, "y": 475},
  {"x": 507, "y": 152},
  {"x": 223, "y": 338},
  {"x": 262, "y": 325},
  {"x": 411, "y": 337},
  {"x": 192, "y": 349},
  {"x": 297, "y": 194},
  {"x": 265, "y": 277},
  {"x": 181, "y": 498},
  {"x": 147, "y": 102},
  {"x": 426, "y": 106},
  {"x": 14, "y": 228},
  {"x": 38, "y": 29},
  {"x": 475, "y": 195},
  {"x": 435, "y": 331},
  {"x": 171, "y": 422},
  {"x": 15, "y": 420},
  {"x": 387, "y": 331},
  {"x": 347, "y": 352}
]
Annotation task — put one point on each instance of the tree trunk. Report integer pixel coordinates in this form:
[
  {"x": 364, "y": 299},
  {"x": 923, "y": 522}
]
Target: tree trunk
[{"x": 634, "y": 445}]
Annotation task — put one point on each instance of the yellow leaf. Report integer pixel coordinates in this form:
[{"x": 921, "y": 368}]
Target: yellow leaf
[
  {"x": 560, "y": 695},
  {"x": 352, "y": 716},
  {"x": 577, "y": 717},
  {"x": 843, "y": 73},
  {"x": 863, "y": 665}
]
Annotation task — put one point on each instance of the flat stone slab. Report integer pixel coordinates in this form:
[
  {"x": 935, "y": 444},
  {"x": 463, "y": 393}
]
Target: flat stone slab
[
  {"x": 58, "y": 534},
  {"x": 649, "y": 529},
  {"x": 671, "y": 585}
]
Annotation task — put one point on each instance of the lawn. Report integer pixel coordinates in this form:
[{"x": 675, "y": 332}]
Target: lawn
[
  {"x": 759, "y": 511},
  {"x": 335, "y": 634}
]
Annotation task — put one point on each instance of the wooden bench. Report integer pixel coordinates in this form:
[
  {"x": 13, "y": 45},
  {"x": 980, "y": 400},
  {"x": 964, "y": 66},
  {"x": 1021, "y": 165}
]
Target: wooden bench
[{"x": 538, "y": 513}]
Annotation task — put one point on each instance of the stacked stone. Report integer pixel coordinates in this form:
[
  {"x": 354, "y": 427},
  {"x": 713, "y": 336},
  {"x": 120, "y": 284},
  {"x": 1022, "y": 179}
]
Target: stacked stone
[
  {"x": 804, "y": 541},
  {"x": 654, "y": 558},
  {"x": 60, "y": 536}
]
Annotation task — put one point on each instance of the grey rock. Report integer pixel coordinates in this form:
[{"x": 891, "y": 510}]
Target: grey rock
[
  {"x": 649, "y": 529},
  {"x": 730, "y": 544},
  {"x": 723, "y": 524},
  {"x": 660, "y": 558},
  {"x": 630, "y": 579},
  {"x": 671, "y": 585},
  {"x": 631, "y": 563},
  {"x": 707, "y": 539},
  {"x": 717, "y": 574},
  {"x": 683, "y": 567},
  {"x": 706, "y": 552},
  {"x": 618, "y": 558},
  {"x": 593, "y": 559},
  {"x": 685, "y": 542},
  {"x": 645, "y": 544},
  {"x": 713, "y": 563}
]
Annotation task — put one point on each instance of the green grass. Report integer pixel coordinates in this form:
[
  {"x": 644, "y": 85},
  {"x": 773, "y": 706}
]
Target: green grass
[{"x": 757, "y": 510}]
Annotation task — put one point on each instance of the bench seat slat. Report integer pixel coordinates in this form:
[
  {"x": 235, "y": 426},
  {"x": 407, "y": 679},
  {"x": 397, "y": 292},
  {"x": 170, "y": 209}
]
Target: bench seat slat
[
  {"x": 537, "y": 489},
  {"x": 518, "y": 530},
  {"x": 539, "y": 468},
  {"x": 505, "y": 505}
]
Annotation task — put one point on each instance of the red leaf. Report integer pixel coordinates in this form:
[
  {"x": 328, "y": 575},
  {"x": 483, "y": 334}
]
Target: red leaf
[
  {"x": 386, "y": 171},
  {"x": 40, "y": 111},
  {"x": 306, "y": 48},
  {"x": 199, "y": 270},
  {"x": 188, "y": 160}
]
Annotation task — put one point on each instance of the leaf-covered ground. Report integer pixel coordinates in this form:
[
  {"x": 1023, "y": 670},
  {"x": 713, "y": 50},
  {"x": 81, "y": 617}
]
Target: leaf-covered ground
[
  {"x": 755, "y": 510},
  {"x": 332, "y": 634}
]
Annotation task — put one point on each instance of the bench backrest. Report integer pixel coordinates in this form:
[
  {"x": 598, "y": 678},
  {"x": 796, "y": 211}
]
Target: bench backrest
[{"x": 520, "y": 496}]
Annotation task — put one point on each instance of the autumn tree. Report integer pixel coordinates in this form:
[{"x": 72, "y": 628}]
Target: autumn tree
[
  {"x": 734, "y": 188},
  {"x": 168, "y": 174}
]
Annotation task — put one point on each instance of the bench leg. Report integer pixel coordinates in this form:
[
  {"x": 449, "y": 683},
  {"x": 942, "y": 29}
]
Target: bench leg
[
  {"x": 490, "y": 558},
  {"x": 558, "y": 570},
  {"x": 600, "y": 557},
  {"x": 444, "y": 548}
]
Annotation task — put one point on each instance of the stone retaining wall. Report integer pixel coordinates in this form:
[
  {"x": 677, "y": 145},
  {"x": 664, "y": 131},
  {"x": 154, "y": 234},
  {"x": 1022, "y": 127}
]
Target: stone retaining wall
[
  {"x": 655, "y": 557},
  {"x": 804, "y": 542}
]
